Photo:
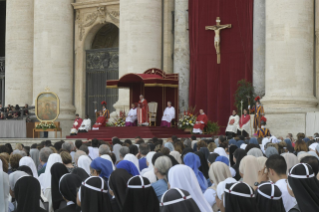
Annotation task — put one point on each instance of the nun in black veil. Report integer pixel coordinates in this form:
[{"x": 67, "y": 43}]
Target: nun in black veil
[
  {"x": 239, "y": 197},
  {"x": 27, "y": 192},
  {"x": 303, "y": 185},
  {"x": 57, "y": 171},
  {"x": 177, "y": 199},
  {"x": 140, "y": 196},
  {"x": 81, "y": 173},
  {"x": 93, "y": 196},
  {"x": 269, "y": 198},
  {"x": 68, "y": 186}
]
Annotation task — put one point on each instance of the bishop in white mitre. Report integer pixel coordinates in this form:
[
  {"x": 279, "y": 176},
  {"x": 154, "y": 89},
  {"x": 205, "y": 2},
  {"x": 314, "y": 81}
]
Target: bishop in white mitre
[
  {"x": 86, "y": 125},
  {"x": 131, "y": 117},
  {"x": 168, "y": 116},
  {"x": 233, "y": 121}
]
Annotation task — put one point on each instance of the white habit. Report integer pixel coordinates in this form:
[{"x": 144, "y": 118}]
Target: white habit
[
  {"x": 233, "y": 128},
  {"x": 169, "y": 114},
  {"x": 86, "y": 125},
  {"x": 131, "y": 116}
]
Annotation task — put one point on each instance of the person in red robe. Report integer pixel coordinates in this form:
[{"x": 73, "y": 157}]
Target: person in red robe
[
  {"x": 244, "y": 124},
  {"x": 142, "y": 112},
  {"x": 76, "y": 124},
  {"x": 201, "y": 122},
  {"x": 100, "y": 122}
]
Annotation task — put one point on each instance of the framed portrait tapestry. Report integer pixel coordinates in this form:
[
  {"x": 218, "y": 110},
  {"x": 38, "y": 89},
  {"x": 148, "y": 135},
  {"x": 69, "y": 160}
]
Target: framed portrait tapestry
[{"x": 47, "y": 107}]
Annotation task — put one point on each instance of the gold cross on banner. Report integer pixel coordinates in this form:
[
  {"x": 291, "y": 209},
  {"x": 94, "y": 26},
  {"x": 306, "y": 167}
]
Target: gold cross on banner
[{"x": 217, "y": 29}]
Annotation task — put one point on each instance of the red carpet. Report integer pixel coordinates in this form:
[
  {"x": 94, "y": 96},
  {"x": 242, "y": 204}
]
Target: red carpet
[{"x": 107, "y": 133}]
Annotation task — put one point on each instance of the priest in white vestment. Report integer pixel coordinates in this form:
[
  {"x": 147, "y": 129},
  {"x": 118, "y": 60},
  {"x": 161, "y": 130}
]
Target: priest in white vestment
[
  {"x": 168, "y": 116},
  {"x": 131, "y": 118},
  {"x": 243, "y": 127},
  {"x": 233, "y": 121},
  {"x": 86, "y": 125}
]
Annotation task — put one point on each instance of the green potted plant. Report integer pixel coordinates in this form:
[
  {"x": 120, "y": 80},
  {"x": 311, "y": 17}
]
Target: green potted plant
[{"x": 245, "y": 92}]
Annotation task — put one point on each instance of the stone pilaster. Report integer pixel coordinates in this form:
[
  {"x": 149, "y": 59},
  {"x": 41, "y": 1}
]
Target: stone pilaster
[
  {"x": 168, "y": 36},
  {"x": 259, "y": 44},
  {"x": 53, "y": 54},
  {"x": 140, "y": 40},
  {"x": 19, "y": 52},
  {"x": 289, "y": 65},
  {"x": 181, "y": 51}
]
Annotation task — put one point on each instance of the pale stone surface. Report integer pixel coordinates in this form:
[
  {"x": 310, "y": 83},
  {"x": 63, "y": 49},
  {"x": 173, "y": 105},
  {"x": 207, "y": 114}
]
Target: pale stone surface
[
  {"x": 289, "y": 65},
  {"x": 53, "y": 55},
  {"x": 168, "y": 36},
  {"x": 87, "y": 17},
  {"x": 289, "y": 55},
  {"x": 317, "y": 46},
  {"x": 181, "y": 51},
  {"x": 140, "y": 40},
  {"x": 19, "y": 52},
  {"x": 259, "y": 43}
]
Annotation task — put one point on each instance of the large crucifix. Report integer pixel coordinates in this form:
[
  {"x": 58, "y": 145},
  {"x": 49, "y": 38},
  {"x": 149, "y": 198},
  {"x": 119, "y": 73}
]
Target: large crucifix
[{"x": 217, "y": 29}]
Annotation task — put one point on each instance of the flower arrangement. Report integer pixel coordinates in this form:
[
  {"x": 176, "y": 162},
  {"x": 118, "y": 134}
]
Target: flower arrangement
[
  {"x": 187, "y": 121},
  {"x": 45, "y": 126},
  {"x": 120, "y": 120}
]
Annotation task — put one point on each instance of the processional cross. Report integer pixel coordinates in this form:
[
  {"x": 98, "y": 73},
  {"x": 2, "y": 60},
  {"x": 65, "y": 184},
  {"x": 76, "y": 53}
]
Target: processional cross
[{"x": 217, "y": 29}]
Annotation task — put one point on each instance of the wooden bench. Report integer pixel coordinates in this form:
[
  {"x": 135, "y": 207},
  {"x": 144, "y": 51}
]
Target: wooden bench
[{"x": 57, "y": 129}]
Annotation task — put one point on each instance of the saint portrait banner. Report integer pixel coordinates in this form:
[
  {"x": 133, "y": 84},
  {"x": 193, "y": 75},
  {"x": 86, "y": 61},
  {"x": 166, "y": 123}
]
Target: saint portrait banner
[{"x": 47, "y": 107}]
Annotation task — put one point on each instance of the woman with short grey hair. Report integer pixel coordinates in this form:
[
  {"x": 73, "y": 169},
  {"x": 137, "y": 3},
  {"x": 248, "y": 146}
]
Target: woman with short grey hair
[{"x": 161, "y": 167}]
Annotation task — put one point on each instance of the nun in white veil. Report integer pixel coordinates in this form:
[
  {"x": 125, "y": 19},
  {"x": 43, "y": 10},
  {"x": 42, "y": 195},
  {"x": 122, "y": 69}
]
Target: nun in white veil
[
  {"x": 183, "y": 177},
  {"x": 4, "y": 190},
  {"x": 84, "y": 162},
  {"x": 27, "y": 161},
  {"x": 149, "y": 172},
  {"x": 133, "y": 159},
  {"x": 45, "y": 178}
]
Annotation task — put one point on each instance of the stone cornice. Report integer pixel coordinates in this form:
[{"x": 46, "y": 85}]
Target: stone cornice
[{"x": 81, "y": 5}]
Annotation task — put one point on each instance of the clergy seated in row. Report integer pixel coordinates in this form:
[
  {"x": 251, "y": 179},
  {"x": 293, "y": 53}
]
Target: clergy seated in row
[
  {"x": 168, "y": 116},
  {"x": 201, "y": 122},
  {"x": 142, "y": 112},
  {"x": 76, "y": 124},
  {"x": 85, "y": 126},
  {"x": 244, "y": 124},
  {"x": 263, "y": 131},
  {"x": 232, "y": 125},
  {"x": 131, "y": 118},
  {"x": 100, "y": 122}
]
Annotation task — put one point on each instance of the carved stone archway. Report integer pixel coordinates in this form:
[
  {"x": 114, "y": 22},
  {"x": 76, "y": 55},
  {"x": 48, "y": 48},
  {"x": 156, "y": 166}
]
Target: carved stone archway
[{"x": 90, "y": 17}]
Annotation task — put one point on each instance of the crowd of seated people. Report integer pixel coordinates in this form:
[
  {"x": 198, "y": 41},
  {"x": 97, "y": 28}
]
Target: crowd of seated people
[
  {"x": 220, "y": 174},
  {"x": 13, "y": 112}
]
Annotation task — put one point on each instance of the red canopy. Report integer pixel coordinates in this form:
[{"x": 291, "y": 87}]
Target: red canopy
[
  {"x": 150, "y": 78},
  {"x": 154, "y": 84}
]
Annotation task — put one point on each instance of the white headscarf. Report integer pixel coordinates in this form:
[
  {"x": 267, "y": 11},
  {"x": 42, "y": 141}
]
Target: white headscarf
[
  {"x": 177, "y": 156},
  {"x": 149, "y": 172},
  {"x": 243, "y": 146},
  {"x": 45, "y": 178},
  {"x": 27, "y": 161},
  {"x": 221, "y": 187},
  {"x": 274, "y": 140},
  {"x": 263, "y": 143},
  {"x": 221, "y": 151},
  {"x": 4, "y": 190},
  {"x": 133, "y": 159},
  {"x": 313, "y": 146},
  {"x": 291, "y": 160},
  {"x": 255, "y": 152},
  {"x": 116, "y": 151},
  {"x": 107, "y": 157},
  {"x": 183, "y": 177},
  {"x": 84, "y": 162}
]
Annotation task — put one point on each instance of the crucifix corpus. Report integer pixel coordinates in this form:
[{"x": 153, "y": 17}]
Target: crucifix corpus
[{"x": 217, "y": 29}]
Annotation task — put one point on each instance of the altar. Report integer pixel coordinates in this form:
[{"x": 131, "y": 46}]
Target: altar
[{"x": 154, "y": 84}]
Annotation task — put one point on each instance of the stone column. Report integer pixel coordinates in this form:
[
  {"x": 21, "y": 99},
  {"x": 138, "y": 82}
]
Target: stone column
[
  {"x": 168, "y": 36},
  {"x": 181, "y": 51},
  {"x": 53, "y": 54},
  {"x": 19, "y": 52},
  {"x": 317, "y": 46},
  {"x": 289, "y": 64},
  {"x": 259, "y": 44},
  {"x": 140, "y": 40},
  {"x": 2, "y": 92}
]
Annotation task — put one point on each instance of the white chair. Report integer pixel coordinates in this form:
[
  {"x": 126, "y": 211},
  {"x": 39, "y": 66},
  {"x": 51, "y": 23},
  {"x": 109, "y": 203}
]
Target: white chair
[{"x": 152, "y": 107}]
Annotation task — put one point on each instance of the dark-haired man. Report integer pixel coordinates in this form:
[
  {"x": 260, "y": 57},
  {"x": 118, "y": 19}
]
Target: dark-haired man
[
  {"x": 312, "y": 161},
  {"x": 277, "y": 167},
  {"x": 144, "y": 149}
]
